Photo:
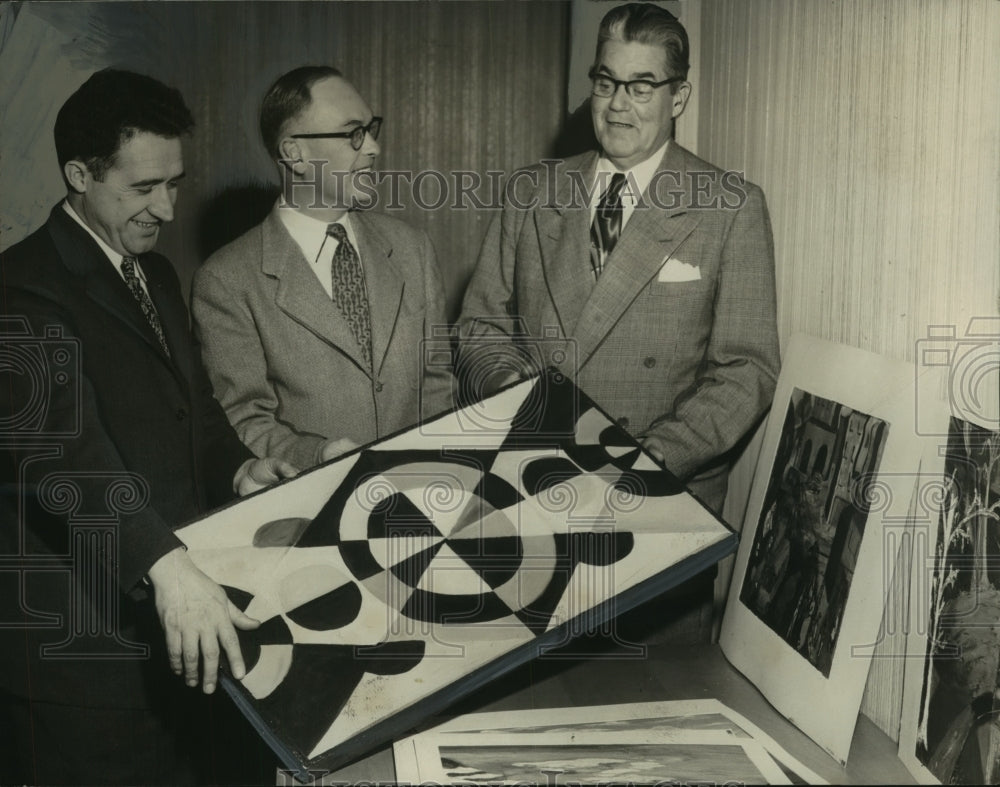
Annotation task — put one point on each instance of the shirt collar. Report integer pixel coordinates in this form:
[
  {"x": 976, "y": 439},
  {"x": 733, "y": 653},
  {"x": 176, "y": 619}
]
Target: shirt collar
[
  {"x": 114, "y": 256},
  {"x": 640, "y": 175},
  {"x": 309, "y": 233}
]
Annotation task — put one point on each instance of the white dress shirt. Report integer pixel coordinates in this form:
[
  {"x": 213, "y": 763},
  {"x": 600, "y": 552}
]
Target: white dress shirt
[
  {"x": 317, "y": 247},
  {"x": 114, "y": 256},
  {"x": 637, "y": 179}
]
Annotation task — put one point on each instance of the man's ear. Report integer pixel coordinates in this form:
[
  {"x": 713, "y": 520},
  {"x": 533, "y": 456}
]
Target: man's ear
[
  {"x": 680, "y": 98},
  {"x": 292, "y": 156},
  {"x": 77, "y": 175}
]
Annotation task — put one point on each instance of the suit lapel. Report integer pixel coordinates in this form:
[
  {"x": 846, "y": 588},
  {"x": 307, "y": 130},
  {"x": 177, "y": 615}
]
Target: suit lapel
[
  {"x": 383, "y": 282},
  {"x": 300, "y": 295},
  {"x": 173, "y": 318},
  {"x": 83, "y": 257},
  {"x": 564, "y": 240},
  {"x": 649, "y": 238}
]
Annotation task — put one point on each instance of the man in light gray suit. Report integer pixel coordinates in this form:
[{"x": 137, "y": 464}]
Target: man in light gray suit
[
  {"x": 312, "y": 323},
  {"x": 648, "y": 270},
  {"x": 643, "y": 272}
]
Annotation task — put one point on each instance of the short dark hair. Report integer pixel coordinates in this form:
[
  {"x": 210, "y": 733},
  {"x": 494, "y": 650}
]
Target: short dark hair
[
  {"x": 109, "y": 109},
  {"x": 646, "y": 23},
  {"x": 290, "y": 94}
]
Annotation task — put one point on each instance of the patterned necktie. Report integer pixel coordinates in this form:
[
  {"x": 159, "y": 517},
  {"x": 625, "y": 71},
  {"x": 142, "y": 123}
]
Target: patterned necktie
[
  {"x": 607, "y": 225},
  {"x": 349, "y": 290},
  {"x": 148, "y": 309}
]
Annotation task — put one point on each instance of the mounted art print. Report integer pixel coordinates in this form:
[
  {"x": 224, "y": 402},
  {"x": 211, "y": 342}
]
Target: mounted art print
[
  {"x": 950, "y": 733},
  {"x": 829, "y": 497}
]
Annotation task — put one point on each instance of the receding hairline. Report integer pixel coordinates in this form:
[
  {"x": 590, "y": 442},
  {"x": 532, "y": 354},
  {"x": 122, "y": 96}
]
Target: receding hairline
[
  {"x": 650, "y": 25},
  {"x": 618, "y": 35}
]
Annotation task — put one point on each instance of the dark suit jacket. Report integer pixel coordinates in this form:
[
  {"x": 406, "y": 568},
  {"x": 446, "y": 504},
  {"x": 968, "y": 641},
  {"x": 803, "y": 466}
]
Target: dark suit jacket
[
  {"x": 678, "y": 337},
  {"x": 100, "y": 426},
  {"x": 282, "y": 358}
]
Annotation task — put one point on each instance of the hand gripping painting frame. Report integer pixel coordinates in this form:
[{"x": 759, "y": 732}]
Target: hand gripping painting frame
[{"x": 398, "y": 578}]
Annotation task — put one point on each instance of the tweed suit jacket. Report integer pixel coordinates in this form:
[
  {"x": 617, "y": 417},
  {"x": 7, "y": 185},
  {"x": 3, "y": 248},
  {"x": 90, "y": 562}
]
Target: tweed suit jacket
[
  {"x": 282, "y": 358},
  {"x": 99, "y": 425},
  {"x": 677, "y": 339}
]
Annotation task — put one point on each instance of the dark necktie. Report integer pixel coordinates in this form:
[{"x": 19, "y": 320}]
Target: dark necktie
[
  {"x": 349, "y": 293},
  {"x": 148, "y": 309},
  {"x": 607, "y": 224}
]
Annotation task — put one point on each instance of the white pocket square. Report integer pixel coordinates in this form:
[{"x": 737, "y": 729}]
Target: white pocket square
[{"x": 675, "y": 270}]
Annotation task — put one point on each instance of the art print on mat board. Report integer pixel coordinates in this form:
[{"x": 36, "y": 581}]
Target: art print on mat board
[
  {"x": 950, "y": 731},
  {"x": 394, "y": 580},
  {"x": 838, "y": 461},
  {"x": 676, "y": 722},
  {"x": 637, "y": 757}
]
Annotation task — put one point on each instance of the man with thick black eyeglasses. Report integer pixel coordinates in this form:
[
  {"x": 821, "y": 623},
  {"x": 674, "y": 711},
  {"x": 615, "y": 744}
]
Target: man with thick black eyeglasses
[
  {"x": 648, "y": 270},
  {"x": 312, "y": 322}
]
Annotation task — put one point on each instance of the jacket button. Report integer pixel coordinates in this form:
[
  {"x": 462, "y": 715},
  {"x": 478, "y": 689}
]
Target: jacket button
[
  {"x": 181, "y": 413},
  {"x": 623, "y": 422},
  {"x": 378, "y": 387},
  {"x": 649, "y": 362}
]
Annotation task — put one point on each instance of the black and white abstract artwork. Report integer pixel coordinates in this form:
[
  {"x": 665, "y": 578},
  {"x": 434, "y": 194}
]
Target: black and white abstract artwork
[{"x": 397, "y": 578}]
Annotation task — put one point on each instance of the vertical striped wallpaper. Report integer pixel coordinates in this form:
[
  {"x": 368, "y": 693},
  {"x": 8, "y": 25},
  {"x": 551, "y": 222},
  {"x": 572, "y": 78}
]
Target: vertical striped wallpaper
[{"x": 874, "y": 130}]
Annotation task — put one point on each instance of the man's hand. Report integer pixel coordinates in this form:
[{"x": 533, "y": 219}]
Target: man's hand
[
  {"x": 652, "y": 444},
  {"x": 334, "y": 448},
  {"x": 256, "y": 474},
  {"x": 197, "y": 618}
]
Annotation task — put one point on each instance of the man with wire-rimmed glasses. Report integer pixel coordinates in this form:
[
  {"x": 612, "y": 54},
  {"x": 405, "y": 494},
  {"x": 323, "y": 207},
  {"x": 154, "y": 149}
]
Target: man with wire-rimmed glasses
[
  {"x": 311, "y": 323},
  {"x": 646, "y": 273}
]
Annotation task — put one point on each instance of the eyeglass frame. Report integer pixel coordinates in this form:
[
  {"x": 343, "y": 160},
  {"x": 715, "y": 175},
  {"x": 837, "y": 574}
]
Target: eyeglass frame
[
  {"x": 359, "y": 131},
  {"x": 595, "y": 75}
]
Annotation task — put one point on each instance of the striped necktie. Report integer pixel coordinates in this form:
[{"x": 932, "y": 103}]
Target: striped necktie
[{"x": 607, "y": 224}]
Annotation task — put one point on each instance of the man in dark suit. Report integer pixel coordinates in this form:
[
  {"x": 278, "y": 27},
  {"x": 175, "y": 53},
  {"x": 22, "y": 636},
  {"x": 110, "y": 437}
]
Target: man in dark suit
[
  {"x": 641, "y": 270},
  {"x": 314, "y": 323},
  {"x": 111, "y": 438}
]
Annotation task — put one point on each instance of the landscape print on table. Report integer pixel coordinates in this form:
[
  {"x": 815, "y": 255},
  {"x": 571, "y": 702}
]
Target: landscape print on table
[
  {"x": 538, "y": 762},
  {"x": 388, "y": 580},
  {"x": 812, "y": 522},
  {"x": 689, "y": 722},
  {"x": 958, "y": 737}
]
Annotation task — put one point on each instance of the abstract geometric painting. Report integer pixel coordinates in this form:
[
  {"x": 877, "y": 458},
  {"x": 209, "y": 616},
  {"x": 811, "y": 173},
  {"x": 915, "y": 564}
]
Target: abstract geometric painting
[{"x": 397, "y": 578}]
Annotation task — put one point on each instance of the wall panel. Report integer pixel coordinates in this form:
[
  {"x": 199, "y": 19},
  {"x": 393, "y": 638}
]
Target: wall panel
[{"x": 874, "y": 129}]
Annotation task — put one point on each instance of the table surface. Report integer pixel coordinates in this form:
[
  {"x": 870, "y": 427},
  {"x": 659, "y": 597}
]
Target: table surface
[{"x": 606, "y": 675}]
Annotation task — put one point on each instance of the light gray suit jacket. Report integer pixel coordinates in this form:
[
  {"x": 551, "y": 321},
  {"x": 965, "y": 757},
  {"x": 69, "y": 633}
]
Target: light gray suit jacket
[
  {"x": 282, "y": 359},
  {"x": 677, "y": 340}
]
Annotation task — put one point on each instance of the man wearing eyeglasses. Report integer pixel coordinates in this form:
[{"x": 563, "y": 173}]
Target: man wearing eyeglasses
[
  {"x": 648, "y": 270},
  {"x": 312, "y": 322}
]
